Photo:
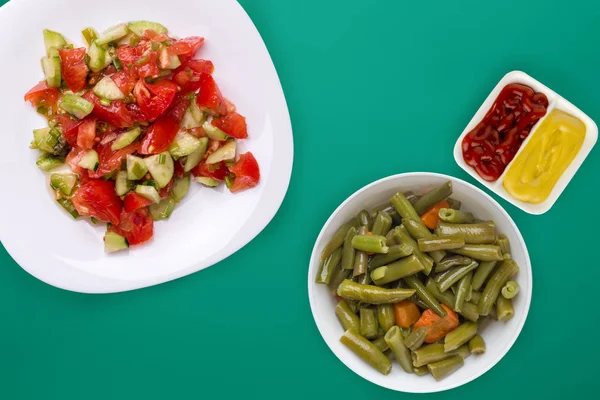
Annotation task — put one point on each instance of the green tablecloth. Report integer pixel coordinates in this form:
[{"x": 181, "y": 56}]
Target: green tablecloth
[{"x": 388, "y": 85}]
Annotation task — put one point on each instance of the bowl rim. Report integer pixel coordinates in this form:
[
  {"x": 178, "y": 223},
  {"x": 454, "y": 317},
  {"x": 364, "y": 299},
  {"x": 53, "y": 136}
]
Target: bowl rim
[{"x": 314, "y": 260}]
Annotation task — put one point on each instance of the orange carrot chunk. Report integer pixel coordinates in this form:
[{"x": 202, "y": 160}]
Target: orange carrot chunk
[
  {"x": 407, "y": 313},
  {"x": 438, "y": 327},
  {"x": 430, "y": 218}
]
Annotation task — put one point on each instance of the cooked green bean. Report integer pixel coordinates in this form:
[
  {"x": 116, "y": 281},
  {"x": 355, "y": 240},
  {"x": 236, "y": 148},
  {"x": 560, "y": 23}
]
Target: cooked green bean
[
  {"x": 475, "y": 296},
  {"x": 418, "y": 230},
  {"x": 451, "y": 261},
  {"x": 394, "y": 339},
  {"x": 404, "y": 267},
  {"x": 477, "y": 345},
  {"x": 427, "y": 298},
  {"x": 464, "y": 351},
  {"x": 338, "y": 277},
  {"x": 364, "y": 219},
  {"x": 367, "y": 351},
  {"x": 440, "y": 243},
  {"x": 380, "y": 344},
  {"x": 347, "y": 317},
  {"x": 354, "y": 305},
  {"x": 389, "y": 210},
  {"x": 385, "y": 316},
  {"x": 368, "y": 323},
  {"x": 461, "y": 335},
  {"x": 416, "y": 338},
  {"x": 403, "y": 207},
  {"x": 479, "y": 233},
  {"x": 420, "y": 371},
  {"x": 469, "y": 310},
  {"x": 364, "y": 279},
  {"x": 455, "y": 216},
  {"x": 433, "y": 197},
  {"x": 431, "y": 353},
  {"x": 411, "y": 197},
  {"x": 456, "y": 274},
  {"x": 492, "y": 289},
  {"x": 464, "y": 286},
  {"x": 438, "y": 277},
  {"x": 481, "y": 274},
  {"x": 360, "y": 257},
  {"x": 469, "y": 291},
  {"x": 372, "y": 294},
  {"x": 502, "y": 241},
  {"x": 404, "y": 237},
  {"x": 510, "y": 290},
  {"x": 337, "y": 240},
  {"x": 482, "y": 252},
  {"x": 405, "y": 332},
  {"x": 327, "y": 267},
  {"x": 370, "y": 243},
  {"x": 382, "y": 224},
  {"x": 493, "y": 315},
  {"x": 348, "y": 252},
  {"x": 391, "y": 239},
  {"x": 504, "y": 308},
  {"x": 441, "y": 369},
  {"x": 454, "y": 204},
  {"x": 394, "y": 253},
  {"x": 415, "y": 299}
]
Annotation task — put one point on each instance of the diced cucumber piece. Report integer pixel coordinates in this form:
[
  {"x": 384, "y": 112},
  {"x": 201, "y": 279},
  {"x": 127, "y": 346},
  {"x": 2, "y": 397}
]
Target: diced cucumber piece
[
  {"x": 42, "y": 140},
  {"x": 76, "y": 105},
  {"x": 53, "y": 40},
  {"x": 168, "y": 61},
  {"x": 194, "y": 159},
  {"x": 184, "y": 144},
  {"x": 89, "y": 34},
  {"x": 47, "y": 162},
  {"x": 213, "y": 132},
  {"x": 180, "y": 188},
  {"x": 139, "y": 27},
  {"x": 148, "y": 192},
  {"x": 161, "y": 172},
  {"x": 99, "y": 58},
  {"x": 113, "y": 33},
  {"x": 51, "y": 67},
  {"x": 162, "y": 210},
  {"x": 89, "y": 160},
  {"x": 206, "y": 181},
  {"x": 64, "y": 182},
  {"x": 224, "y": 153},
  {"x": 108, "y": 89},
  {"x": 125, "y": 139},
  {"x": 114, "y": 242},
  {"x": 122, "y": 184},
  {"x": 136, "y": 168},
  {"x": 69, "y": 207},
  {"x": 193, "y": 117}
]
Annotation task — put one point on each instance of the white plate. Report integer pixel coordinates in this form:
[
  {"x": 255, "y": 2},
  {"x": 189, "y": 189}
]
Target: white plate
[
  {"x": 499, "y": 336},
  {"x": 209, "y": 225},
  {"x": 554, "y": 101}
]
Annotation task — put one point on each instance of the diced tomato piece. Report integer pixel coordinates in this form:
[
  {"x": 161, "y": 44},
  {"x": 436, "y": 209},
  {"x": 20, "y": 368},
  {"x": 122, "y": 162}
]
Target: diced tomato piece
[
  {"x": 148, "y": 66},
  {"x": 154, "y": 99},
  {"x": 186, "y": 46},
  {"x": 199, "y": 132},
  {"x": 70, "y": 127},
  {"x": 116, "y": 113},
  {"x": 125, "y": 81},
  {"x": 127, "y": 54},
  {"x": 216, "y": 171},
  {"x": 87, "y": 133},
  {"x": 133, "y": 201},
  {"x": 110, "y": 160},
  {"x": 232, "y": 124},
  {"x": 164, "y": 192},
  {"x": 73, "y": 68},
  {"x": 139, "y": 59},
  {"x": 160, "y": 135},
  {"x": 179, "y": 170},
  {"x": 136, "y": 226},
  {"x": 247, "y": 173},
  {"x": 210, "y": 96},
  {"x": 97, "y": 198},
  {"x": 230, "y": 106},
  {"x": 202, "y": 66},
  {"x": 178, "y": 107},
  {"x": 42, "y": 95},
  {"x": 73, "y": 159}
]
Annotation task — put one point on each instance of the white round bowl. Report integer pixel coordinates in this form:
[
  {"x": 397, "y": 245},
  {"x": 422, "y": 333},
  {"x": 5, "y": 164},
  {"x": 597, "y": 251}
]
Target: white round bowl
[{"x": 498, "y": 336}]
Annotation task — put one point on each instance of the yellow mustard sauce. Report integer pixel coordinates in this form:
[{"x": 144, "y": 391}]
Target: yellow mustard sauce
[{"x": 551, "y": 149}]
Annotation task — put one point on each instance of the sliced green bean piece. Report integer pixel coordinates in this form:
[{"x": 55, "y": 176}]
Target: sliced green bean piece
[
  {"x": 394, "y": 253},
  {"x": 454, "y": 204},
  {"x": 510, "y": 290},
  {"x": 385, "y": 316},
  {"x": 438, "y": 277},
  {"x": 475, "y": 296},
  {"x": 337, "y": 239},
  {"x": 367, "y": 351},
  {"x": 395, "y": 341},
  {"x": 354, "y": 306},
  {"x": 431, "y": 353},
  {"x": 391, "y": 239},
  {"x": 418, "y": 230},
  {"x": 481, "y": 274},
  {"x": 364, "y": 279},
  {"x": 503, "y": 242},
  {"x": 348, "y": 252},
  {"x": 420, "y": 371},
  {"x": 404, "y": 237},
  {"x": 415, "y": 299},
  {"x": 388, "y": 273},
  {"x": 338, "y": 277},
  {"x": 382, "y": 224},
  {"x": 427, "y": 298},
  {"x": 405, "y": 332},
  {"x": 416, "y": 338},
  {"x": 482, "y": 252},
  {"x": 372, "y": 294},
  {"x": 456, "y": 274},
  {"x": 455, "y": 216},
  {"x": 364, "y": 219},
  {"x": 480, "y": 233},
  {"x": 504, "y": 308},
  {"x": 389, "y": 210},
  {"x": 360, "y": 257},
  {"x": 370, "y": 243},
  {"x": 442, "y": 369},
  {"x": 469, "y": 310},
  {"x": 433, "y": 197},
  {"x": 464, "y": 286},
  {"x": 464, "y": 351},
  {"x": 492, "y": 289},
  {"x": 459, "y": 336},
  {"x": 368, "y": 323},
  {"x": 381, "y": 344},
  {"x": 328, "y": 266},
  {"x": 403, "y": 207},
  {"x": 346, "y": 316},
  {"x": 441, "y": 243},
  {"x": 477, "y": 345}
]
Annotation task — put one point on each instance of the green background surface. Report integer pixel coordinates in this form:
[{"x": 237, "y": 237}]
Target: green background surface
[{"x": 374, "y": 89}]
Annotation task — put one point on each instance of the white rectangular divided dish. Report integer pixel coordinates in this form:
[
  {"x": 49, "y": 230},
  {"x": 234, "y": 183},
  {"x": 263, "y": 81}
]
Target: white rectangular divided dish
[{"x": 555, "y": 101}]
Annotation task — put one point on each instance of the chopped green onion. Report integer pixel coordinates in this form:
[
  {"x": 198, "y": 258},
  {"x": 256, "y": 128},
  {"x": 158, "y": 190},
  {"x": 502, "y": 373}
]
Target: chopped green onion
[
  {"x": 134, "y": 40},
  {"x": 117, "y": 64},
  {"x": 105, "y": 102},
  {"x": 229, "y": 180},
  {"x": 191, "y": 96},
  {"x": 141, "y": 60},
  {"x": 94, "y": 220},
  {"x": 155, "y": 46},
  {"x": 89, "y": 34},
  {"x": 42, "y": 110},
  {"x": 162, "y": 158},
  {"x": 166, "y": 43},
  {"x": 150, "y": 182},
  {"x": 229, "y": 164},
  {"x": 69, "y": 46}
]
